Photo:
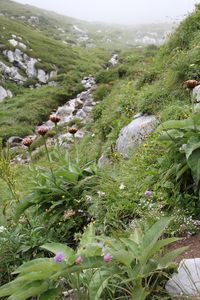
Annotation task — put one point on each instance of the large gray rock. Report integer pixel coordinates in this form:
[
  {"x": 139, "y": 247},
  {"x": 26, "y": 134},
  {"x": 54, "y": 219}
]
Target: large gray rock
[
  {"x": 134, "y": 133},
  {"x": 187, "y": 281},
  {"x": 42, "y": 76},
  {"x": 196, "y": 93},
  {"x": 30, "y": 62},
  {"x": 114, "y": 60},
  {"x": 3, "y": 94}
]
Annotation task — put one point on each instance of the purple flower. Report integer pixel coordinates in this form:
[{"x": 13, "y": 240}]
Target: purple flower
[
  {"x": 58, "y": 257},
  {"x": 78, "y": 260},
  {"x": 148, "y": 194},
  {"x": 107, "y": 258}
]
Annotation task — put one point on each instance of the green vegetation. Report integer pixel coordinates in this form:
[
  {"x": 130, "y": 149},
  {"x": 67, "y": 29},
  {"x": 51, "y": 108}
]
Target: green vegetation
[{"x": 106, "y": 227}]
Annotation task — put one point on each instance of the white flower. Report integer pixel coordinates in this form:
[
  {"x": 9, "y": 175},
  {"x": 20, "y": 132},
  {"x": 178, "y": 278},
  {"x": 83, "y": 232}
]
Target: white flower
[
  {"x": 101, "y": 194},
  {"x": 2, "y": 229},
  {"x": 122, "y": 186}
]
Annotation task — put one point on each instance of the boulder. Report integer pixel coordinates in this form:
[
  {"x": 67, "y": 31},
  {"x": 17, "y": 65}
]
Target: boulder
[
  {"x": 42, "y": 76},
  {"x": 134, "y": 133},
  {"x": 3, "y": 94},
  {"x": 30, "y": 62},
  {"x": 14, "y": 141},
  {"x": 114, "y": 60},
  {"x": 187, "y": 281},
  {"x": 13, "y": 42},
  {"x": 196, "y": 93}
]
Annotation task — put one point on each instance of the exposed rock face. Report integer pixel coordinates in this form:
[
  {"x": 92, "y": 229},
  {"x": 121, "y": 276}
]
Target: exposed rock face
[
  {"x": 134, "y": 133},
  {"x": 14, "y": 141},
  {"x": 114, "y": 60},
  {"x": 11, "y": 73},
  {"x": 42, "y": 76},
  {"x": 21, "y": 60},
  {"x": 187, "y": 281},
  {"x": 4, "y": 94}
]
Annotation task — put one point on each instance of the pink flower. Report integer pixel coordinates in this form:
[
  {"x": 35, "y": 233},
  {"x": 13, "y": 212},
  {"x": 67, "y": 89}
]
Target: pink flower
[
  {"x": 107, "y": 258},
  {"x": 78, "y": 260},
  {"x": 59, "y": 257},
  {"x": 148, "y": 194}
]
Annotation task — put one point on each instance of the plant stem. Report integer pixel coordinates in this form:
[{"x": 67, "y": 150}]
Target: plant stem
[{"x": 48, "y": 157}]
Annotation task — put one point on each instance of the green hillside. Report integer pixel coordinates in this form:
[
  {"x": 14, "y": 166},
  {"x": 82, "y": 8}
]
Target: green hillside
[{"x": 88, "y": 219}]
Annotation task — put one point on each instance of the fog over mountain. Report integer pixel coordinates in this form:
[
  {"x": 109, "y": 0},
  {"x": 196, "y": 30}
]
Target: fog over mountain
[{"x": 119, "y": 11}]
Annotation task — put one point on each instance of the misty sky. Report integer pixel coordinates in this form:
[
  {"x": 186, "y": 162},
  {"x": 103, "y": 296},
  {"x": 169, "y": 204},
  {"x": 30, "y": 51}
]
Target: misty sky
[{"x": 119, "y": 11}]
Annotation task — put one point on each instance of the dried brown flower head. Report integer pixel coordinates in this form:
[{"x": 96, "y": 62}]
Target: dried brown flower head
[
  {"x": 54, "y": 118},
  {"x": 42, "y": 130},
  {"x": 191, "y": 84},
  {"x": 27, "y": 141},
  {"x": 72, "y": 130},
  {"x": 68, "y": 214}
]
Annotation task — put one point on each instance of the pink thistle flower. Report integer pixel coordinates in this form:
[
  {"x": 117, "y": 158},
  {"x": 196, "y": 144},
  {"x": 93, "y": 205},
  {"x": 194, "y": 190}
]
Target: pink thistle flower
[
  {"x": 78, "y": 260},
  {"x": 59, "y": 257},
  {"x": 107, "y": 258}
]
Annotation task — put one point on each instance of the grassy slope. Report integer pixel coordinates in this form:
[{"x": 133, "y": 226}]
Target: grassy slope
[
  {"x": 153, "y": 84},
  {"x": 73, "y": 64}
]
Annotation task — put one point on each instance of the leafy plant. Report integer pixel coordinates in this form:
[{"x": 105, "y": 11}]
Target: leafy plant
[
  {"x": 127, "y": 267},
  {"x": 183, "y": 145},
  {"x": 59, "y": 195}
]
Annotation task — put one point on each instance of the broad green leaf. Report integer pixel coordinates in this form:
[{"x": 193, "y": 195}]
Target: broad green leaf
[
  {"x": 33, "y": 276},
  {"x": 194, "y": 164},
  {"x": 98, "y": 283},
  {"x": 123, "y": 256},
  {"x": 23, "y": 205},
  {"x": 91, "y": 249},
  {"x": 68, "y": 252},
  {"x": 131, "y": 245},
  {"x": 88, "y": 236},
  {"x": 151, "y": 237},
  {"x": 167, "y": 259},
  {"x": 51, "y": 294},
  {"x": 192, "y": 145},
  {"x": 161, "y": 244},
  {"x": 9, "y": 288},
  {"x": 139, "y": 293},
  {"x": 137, "y": 236},
  {"x": 88, "y": 263},
  {"x": 32, "y": 289},
  {"x": 176, "y": 124},
  {"x": 38, "y": 265}
]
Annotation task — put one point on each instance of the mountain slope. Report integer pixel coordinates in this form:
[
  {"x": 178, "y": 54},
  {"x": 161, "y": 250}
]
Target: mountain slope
[
  {"x": 73, "y": 31},
  {"x": 53, "y": 70}
]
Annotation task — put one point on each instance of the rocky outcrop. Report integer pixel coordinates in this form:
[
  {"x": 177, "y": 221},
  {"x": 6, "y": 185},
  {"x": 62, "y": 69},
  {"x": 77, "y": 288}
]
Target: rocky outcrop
[
  {"x": 77, "y": 108},
  {"x": 11, "y": 73},
  {"x": 4, "y": 94},
  {"x": 21, "y": 60},
  {"x": 42, "y": 76},
  {"x": 114, "y": 60},
  {"x": 134, "y": 133},
  {"x": 187, "y": 281}
]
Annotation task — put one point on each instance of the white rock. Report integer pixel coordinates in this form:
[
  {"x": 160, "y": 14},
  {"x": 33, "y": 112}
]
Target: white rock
[
  {"x": 187, "y": 280},
  {"x": 134, "y": 133},
  {"x": 53, "y": 73},
  {"x": 3, "y": 94},
  {"x": 196, "y": 93},
  {"x": 22, "y": 45},
  {"x": 114, "y": 60},
  {"x": 13, "y": 42},
  {"x": 42, "y": 76},
  {"x": 30, "y": 62}
]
